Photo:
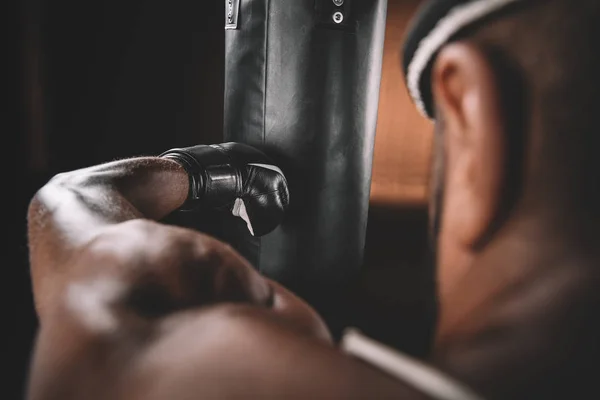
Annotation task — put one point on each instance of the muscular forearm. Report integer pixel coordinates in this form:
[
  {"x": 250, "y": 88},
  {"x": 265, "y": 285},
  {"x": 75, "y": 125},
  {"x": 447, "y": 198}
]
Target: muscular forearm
[{"x": 74, "y": 207}]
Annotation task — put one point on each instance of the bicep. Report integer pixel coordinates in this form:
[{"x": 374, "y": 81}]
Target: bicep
[{"x": 243, "y": 352}]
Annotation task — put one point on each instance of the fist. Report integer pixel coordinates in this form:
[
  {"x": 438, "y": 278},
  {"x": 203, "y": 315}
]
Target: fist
[
  {"x": 147, "y": 270},
  {"x": 238, "y": 178},
  {"x": 139, "y": 271}
]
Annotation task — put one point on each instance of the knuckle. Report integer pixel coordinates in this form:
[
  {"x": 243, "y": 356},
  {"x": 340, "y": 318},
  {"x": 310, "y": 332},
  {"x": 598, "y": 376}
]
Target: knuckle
[
  {"x": 218, "y": 254},
  {"x": 209, "y": 250}
]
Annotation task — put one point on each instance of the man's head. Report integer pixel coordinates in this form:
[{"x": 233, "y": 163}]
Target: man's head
[{"x": 513, "y": 96}]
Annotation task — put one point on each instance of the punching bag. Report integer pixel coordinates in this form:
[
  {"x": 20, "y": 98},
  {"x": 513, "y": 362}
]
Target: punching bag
[{"x": 302, "y": 84}]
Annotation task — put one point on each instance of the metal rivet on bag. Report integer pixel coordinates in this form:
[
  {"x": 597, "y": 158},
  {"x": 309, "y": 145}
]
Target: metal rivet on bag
[
  {"x": 230, "y": 11},
  {"x": 338, "y": 2},
  {"x": 338, "y": 17}
]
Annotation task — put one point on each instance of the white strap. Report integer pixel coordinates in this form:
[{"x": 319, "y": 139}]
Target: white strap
[{"x": 415, "y": 373}]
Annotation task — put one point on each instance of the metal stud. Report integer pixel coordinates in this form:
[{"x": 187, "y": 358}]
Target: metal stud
[{"x": 338, "y": 17}]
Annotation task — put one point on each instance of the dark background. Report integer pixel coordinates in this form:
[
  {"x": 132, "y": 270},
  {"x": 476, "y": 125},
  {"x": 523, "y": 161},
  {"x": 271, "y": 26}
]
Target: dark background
[{"x": 91, "y": 82}]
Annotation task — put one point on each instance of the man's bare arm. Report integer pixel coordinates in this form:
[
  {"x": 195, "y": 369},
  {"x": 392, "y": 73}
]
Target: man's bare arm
[
  {"x": 245, "y": 353},
  {"x": 224, "y": 351},
  {"x": 74, "y": 207}
]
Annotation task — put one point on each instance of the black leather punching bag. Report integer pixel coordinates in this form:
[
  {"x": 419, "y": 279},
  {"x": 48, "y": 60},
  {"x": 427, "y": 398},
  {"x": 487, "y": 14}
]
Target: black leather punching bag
[{"x": 302, "y": 84}]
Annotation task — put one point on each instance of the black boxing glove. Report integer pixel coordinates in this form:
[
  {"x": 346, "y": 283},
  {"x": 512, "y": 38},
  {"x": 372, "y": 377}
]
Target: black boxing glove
[{"x": 237, "y": 178}]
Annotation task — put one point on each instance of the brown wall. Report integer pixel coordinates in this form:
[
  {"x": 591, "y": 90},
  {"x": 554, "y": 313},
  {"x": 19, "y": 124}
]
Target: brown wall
[
  {"x": 396, "y": 301},
  {"x": 403, "y": 142}
]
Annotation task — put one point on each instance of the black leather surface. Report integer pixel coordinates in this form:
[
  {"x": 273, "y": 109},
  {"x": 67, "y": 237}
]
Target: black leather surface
[
  {"x": 222, "y": 174},
  {"x": 305, "y": 90}
]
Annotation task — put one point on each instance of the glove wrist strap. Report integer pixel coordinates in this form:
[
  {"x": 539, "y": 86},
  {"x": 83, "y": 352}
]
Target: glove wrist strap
[
  {"x": 196, "y": 177},
  {"x": 214, "y": 180}
]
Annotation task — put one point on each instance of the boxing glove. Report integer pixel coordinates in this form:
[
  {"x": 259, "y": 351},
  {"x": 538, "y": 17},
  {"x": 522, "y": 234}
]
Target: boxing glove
[{"x": 237, "y": 178}]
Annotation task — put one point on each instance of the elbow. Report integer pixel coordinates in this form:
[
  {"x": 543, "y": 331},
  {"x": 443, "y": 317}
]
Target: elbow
[
  {"x": 40, "y": 202},
  {"x": 60, "y": 181},
  {"x": 55, "y": 192}
]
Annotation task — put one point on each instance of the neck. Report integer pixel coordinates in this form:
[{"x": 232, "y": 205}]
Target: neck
[{"x": 533, "y": 288}]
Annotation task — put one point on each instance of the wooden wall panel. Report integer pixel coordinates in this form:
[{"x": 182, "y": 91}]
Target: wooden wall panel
[{"x": 403, "y": 142}]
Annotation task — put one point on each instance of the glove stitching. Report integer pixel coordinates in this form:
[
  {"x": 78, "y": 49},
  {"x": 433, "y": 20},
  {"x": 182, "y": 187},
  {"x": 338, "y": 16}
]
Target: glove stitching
[{"x": 261, "y": 194}]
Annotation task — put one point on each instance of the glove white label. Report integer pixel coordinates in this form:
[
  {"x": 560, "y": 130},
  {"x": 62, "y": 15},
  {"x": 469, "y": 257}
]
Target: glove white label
[{"x": 239, "y": 210}]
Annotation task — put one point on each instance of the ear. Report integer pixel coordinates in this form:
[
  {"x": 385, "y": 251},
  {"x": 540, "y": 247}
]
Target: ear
[{"x": 468, "y": 97}]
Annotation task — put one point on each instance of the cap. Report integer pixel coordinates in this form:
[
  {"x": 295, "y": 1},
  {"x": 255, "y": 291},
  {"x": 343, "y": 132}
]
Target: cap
[{"x": 434, "y": 25}]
